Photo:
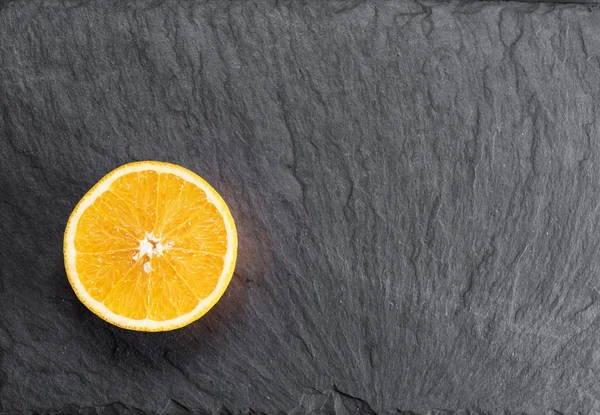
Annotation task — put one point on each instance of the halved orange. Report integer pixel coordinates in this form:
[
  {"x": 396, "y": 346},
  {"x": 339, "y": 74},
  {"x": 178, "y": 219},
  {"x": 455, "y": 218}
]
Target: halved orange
[{"x": 151, "y": 247}]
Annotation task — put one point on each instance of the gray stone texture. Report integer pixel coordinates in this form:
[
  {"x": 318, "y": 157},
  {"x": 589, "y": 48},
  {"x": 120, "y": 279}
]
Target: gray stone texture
[{"x": 416, "y": 188}]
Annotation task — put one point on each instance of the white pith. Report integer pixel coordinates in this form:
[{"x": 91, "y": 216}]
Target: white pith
[{"x": 149, "y": 246}]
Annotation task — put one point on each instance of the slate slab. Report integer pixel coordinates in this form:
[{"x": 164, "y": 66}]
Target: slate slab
[{"x": 416, "y": 188}]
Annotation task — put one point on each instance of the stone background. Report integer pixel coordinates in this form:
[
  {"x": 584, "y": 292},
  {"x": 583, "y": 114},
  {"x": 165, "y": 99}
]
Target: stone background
[{"x": 416, "y": 187}]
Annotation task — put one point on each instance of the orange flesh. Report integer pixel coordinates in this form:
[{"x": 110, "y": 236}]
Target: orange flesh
[{"x": 165, "y": 211}]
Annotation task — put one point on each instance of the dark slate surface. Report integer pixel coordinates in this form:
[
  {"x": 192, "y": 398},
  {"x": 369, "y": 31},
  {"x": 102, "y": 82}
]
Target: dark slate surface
[{"x": 416, "y": 188}]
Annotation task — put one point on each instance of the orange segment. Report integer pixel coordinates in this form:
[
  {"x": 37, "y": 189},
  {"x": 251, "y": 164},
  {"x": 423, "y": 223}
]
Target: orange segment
[
  {"x": 179, "y": 201},
  {"x": 99, "y": 272},
  {"x": 205, "y": 232},
  {"x": 106, "y": 226},
  {"x": 139, "y": 192},
  {"x": 199, "y": 270},
  {"x": 169, "y": 294},
  {"x": 150, "y": 247},
  {"x": 129, "y": 295}
]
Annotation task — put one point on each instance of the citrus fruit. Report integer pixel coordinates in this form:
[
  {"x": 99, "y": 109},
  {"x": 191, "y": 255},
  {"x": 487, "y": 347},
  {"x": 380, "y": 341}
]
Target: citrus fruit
[{"x": 151, "y": 247}]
